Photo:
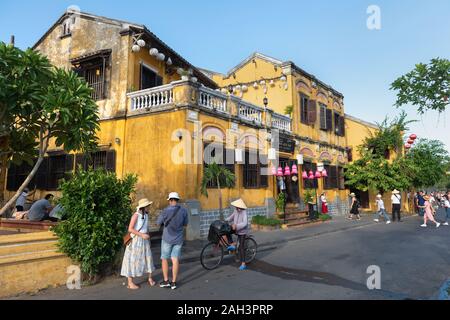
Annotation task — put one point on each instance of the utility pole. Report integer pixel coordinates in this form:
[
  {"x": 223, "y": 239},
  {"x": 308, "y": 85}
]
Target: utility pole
[{"x": 13, "y": 40}]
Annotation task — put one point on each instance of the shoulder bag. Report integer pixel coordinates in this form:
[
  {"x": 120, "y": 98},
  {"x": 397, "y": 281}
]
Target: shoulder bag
[{"x": 127, "y": 238}]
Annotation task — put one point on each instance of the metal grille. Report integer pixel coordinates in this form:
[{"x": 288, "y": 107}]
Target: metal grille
[{"x": 95, "y": 78}]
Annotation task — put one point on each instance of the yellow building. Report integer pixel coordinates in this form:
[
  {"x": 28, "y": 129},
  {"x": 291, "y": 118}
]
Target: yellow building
[{"x": 162, "y": 119}]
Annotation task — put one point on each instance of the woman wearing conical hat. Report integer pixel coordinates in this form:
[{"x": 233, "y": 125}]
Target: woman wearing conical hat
[
  {"x": 138, "y": 258},
  {"x": 239, "y": 225}
]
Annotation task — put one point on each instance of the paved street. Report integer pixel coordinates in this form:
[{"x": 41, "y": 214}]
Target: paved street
[{"x": 327, "y": 261}]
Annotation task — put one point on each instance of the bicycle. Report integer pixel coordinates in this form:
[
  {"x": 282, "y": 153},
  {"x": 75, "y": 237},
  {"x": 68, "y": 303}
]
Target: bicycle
[{"x": 212, "y": 254}]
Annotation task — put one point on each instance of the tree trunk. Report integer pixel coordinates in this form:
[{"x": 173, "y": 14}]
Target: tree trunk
[
  {"x": 27, "y": 181},
  {"x": 3, "y": 168},
  {"x": 220, "y": 200}
]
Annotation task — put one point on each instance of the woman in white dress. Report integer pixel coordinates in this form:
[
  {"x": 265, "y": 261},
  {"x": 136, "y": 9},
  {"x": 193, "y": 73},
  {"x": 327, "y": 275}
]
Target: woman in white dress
[{"x": 138, "y": 258}]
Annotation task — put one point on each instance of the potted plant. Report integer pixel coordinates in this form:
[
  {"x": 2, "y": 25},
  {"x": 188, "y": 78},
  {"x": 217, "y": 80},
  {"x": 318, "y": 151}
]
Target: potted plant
[
  {"x": 309, "y": 198},
  {"x": 262, "y": 223},
  {"x": 185, "y": 74},
  {"x": 280, "y": 203}
]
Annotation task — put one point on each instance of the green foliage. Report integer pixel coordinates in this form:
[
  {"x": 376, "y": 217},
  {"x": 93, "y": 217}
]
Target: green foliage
[
  {"x": 217, "y": 174},
  {"x": 430, "y": 159},
  {"x": 264, "y": 221},
  {"x": 309, "y": 196},
  {"x": 281, "y": 202},
  {"x": 97, "y": 206},
  {"x": 427, "y": 86},
  {"x": 389, "y": 136},
  {"x": 289, "y": 110},
  {"x": 324, "y": 217}
]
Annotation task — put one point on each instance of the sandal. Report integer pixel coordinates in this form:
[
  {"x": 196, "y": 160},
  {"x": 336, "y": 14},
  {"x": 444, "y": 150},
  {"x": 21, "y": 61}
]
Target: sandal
[
  {"x": 152, "y": 283},
  {"x": 136, "y": 288}
]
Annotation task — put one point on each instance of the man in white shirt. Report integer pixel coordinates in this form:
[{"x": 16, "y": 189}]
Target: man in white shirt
[
  {"x": 381, "y": 210},
  {"x": 396, "y": 205}
]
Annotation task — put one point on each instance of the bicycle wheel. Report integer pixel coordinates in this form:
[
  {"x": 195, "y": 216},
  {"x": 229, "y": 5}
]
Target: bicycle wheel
[
  {"x": 251, "y": 247},
  {"x": 211, "y": 256}
]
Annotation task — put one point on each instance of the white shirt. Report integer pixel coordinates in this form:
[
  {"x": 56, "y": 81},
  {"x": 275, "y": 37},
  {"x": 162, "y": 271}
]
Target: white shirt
[
  {"x": 323, "y": 199},
  {"x": 380, "y": 204},
  {"x": 22, "y": 199},
  {"x": 396, "y": 198}
]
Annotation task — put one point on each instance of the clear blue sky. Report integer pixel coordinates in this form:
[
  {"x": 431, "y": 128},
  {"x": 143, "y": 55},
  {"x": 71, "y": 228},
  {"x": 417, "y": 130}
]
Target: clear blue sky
[{"x": 327, "y": 38}]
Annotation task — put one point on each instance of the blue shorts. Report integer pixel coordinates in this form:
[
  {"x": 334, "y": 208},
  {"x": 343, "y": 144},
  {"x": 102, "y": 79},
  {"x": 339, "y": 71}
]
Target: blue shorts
[{"x": 170, "y": 250}]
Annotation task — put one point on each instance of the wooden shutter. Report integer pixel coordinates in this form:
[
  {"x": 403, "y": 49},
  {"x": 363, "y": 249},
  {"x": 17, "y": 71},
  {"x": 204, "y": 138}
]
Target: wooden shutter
[
  {"x": 323, "y": 117},
  {"x": 312, "y": 111},
  {"x": 341, "y": 126},
  {"x": 327, "y": 180},
  {"x": 329, "y": 121},
  {"x": 42, "y": 175},
  {"x": 111, "y": 161},
  {"x": 334, "y": 177}
]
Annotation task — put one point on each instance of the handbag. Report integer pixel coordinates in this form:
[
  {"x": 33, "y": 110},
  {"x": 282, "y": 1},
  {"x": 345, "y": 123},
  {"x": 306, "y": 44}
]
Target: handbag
[{"x": 127, "y": 238}]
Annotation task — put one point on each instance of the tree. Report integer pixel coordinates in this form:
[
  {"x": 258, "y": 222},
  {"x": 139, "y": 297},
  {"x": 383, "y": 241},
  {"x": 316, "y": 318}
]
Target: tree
[
  {"x": 427, "y": 86},
  {"x": 221, "y": 177},
  {"x": 430, "y": 159},
  {"x": 23, "y": 75},
  {"x": 61, "y": 111},
  {"x": 374, "y": 171}
]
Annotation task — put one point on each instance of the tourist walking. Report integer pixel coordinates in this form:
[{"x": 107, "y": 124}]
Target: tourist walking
[
  {"x": 429, "y": 213},
  {"x": 354, "y": 211},
  {"x": 138, "y": 259},
  {"x": 396, "y": 205},
  {"x": 421, "y": 203},
  {"x": 381, "y": 210},
  {"x": 323, "y": 200},
  {"x": 446, "y": 205},
  {"x": 239, "y": 225},
  {"x": 174, "y": 218}
]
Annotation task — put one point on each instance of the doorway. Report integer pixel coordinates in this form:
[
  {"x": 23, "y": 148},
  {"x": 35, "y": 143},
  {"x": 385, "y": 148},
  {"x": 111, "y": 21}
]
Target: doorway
[{"x": 291, "y": 182}]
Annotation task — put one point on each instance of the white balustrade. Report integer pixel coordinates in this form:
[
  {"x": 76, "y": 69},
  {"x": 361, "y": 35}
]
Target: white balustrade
[
  {"x": 250, "y": 112},
  {"x": 281, "y": 122},
  {"x": 153, "y": 97},
  {"x": 211, "y": 99}
]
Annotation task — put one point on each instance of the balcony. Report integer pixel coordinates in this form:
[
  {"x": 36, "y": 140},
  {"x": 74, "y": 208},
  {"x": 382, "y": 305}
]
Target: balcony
[{"x": 189, "y": 94}]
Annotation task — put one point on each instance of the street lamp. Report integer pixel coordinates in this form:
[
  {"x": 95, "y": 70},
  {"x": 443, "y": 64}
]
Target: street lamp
[{"x": 266, "y": 102}]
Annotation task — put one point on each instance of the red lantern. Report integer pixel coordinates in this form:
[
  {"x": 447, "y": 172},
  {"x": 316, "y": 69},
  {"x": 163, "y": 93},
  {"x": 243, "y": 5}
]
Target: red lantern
[
  {"x": 410, "y": 141},
  {"x": 413, "y": 137},
  {"x": 407, "y": 146},
  {"x": 324, "y": 173},
  {"x": 287, "y": 171}
]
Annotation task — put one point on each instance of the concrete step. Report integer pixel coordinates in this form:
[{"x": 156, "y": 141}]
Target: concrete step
[
  {"x": 298, "y": 215},
  {"x": 27, "y": 247}
]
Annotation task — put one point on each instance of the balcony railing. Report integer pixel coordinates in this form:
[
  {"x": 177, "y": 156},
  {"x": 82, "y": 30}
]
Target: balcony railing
[
  {"x": 153, "y": 97},
  {"x": 281, "y": 122},
  {"x": 213, "y": 100},
  {"x": 186, "y": 93},
  {"x": 250, "y": 112}
]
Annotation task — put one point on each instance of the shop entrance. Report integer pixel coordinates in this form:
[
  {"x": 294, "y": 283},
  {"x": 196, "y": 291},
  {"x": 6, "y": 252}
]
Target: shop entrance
[{"x": 291, "y": 182}]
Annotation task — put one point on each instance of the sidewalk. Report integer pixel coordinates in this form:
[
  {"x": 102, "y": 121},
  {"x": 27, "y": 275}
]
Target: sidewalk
[{"x": 265, "y": 240}]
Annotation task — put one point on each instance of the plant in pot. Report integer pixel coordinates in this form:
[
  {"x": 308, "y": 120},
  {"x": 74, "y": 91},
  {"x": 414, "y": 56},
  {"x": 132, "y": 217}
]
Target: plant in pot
[
  {"x": 281, "y": 204},
  {"x": 309, "y": 198},
  {"x": 185, "y": 74}
]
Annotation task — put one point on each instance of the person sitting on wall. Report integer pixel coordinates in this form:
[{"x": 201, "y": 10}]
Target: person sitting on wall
[{"x": 40, "y": 210}]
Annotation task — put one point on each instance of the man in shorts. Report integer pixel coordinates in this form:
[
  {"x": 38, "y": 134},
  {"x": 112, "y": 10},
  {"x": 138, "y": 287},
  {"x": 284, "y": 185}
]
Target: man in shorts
[{"x": 174, "y": 218}]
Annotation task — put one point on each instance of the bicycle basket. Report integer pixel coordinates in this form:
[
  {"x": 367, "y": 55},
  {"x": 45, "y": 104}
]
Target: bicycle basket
[{"x": 218, "y": 229}]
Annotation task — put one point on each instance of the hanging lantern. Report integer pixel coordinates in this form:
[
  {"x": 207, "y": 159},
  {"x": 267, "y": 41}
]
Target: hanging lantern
[
  {"x": 265, "y": 90},
  {"x": 294, "y": 169},
  {"x": 304, "y": 175},
  {"x": 161, "y": 57},
  {"x": 286, "y": 86},
  {"x": 169, "y": 61},
  {"x": 141, "y": 43},
  {"x": 287, "y": 171},
  {"x": 283, "y": 78},
  {"x": 238, "y": 87},
  {"x": 153, "y": 52},
  {"x": 262, "y": 82},
  {"x": 324, "y": 173},
  {"x": 318, "y": 175},
  {"x": 272, "y": 82},
  {"x": 407, "y": 146},
  {"x": 280, "y": 172},
  {"x": 244, "y": 88},
  {"x": 311, "y": 175},
  {"x": 255, "y": 85},
  {"x": 413, "y": 137},
  {"x": 135, "y": 48},
  {"x": 274, "y": 171},
  {"x": 410, "y": 141}
]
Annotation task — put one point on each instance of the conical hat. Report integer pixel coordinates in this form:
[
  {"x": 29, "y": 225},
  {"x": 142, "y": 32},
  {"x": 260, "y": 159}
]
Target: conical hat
[{"x": 239, "y": 204}]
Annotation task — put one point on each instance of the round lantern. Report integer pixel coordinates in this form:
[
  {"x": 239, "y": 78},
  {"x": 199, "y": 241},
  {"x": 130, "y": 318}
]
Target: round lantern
[
  {"x": 161, "y": 57},
  {"x": 274, "y": 171},
  {"x": 244, "y": 88},
  {"x": 410, "y": 141},
  {"x": 324, "y": 173},
  {"x": 294, "y": 169},
  {"x": 287, "y": 171},
  {"x": 135, "y": 48},
  {"x": 407, "y": 146},
  {"x": 141, "y": 43},
  {"x": 280, "y": 172},
  {"x": 255, "y": 85},
  {"x": 238, "y": 87},
  {"x": 413, "y": 137},
  {"x": 318, "y": 174},
  {"x": 311, "y": 175},
  {"x": 153, "y": 52},
  {"x": 169, "y": 62},
  {"x": 305, "y": 175}
]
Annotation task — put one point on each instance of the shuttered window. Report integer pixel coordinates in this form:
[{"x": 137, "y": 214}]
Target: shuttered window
[
  {"x": 339, "y": 124},
  {"x": 329, "y": 115},
  {"x": 149, "y": 78},
  {"x": 97, "y": 160},
  {"x": 312, "y": 112},
  {"x": 323, "y": 117},
  {"x": 341, "y": 177},
  {"x": 254, "y": 166},
  {"x": 304, "y": 102}
]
